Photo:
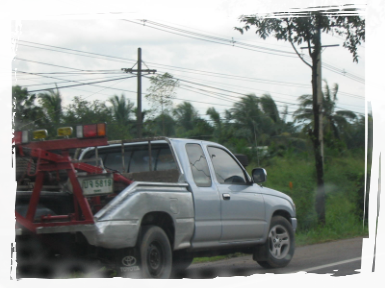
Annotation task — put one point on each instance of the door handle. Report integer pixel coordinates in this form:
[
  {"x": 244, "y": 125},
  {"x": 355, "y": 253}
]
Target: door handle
[{"x": 226, "y": 196}]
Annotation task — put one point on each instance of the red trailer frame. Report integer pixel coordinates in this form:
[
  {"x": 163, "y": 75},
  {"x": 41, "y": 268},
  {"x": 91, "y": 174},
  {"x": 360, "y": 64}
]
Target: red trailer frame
[{"x": 49, "y": 162}]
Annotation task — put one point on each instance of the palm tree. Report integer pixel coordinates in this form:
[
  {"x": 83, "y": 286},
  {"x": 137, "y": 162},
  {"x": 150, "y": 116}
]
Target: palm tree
[
  {"x": 250, "y": 121},
  {"x": 27, "y": 114},
  {"x": 334, "y": 121},
  {"x": 121, "y": 109},
  {"x": 270, "y": 108},
  {"x": 185, "y": 114},
  {"x": 51, "y": 103}
]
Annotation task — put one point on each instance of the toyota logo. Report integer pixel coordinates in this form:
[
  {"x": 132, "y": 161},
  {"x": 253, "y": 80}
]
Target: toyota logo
[{"x": 129, "y": 261}]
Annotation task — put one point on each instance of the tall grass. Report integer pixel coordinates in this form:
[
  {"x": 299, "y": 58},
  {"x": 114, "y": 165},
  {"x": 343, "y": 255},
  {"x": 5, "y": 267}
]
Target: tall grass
[{"x": 343, "y": 175}]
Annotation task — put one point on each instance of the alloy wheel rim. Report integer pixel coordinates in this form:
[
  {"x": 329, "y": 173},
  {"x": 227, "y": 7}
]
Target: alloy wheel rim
[{"x": 279, "y": 242}]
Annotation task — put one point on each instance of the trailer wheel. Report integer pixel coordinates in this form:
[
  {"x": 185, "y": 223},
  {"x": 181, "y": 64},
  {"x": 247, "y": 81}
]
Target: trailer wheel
[
  {"x": 33, "y": 278},
  {"x": 155, "y": 253}
]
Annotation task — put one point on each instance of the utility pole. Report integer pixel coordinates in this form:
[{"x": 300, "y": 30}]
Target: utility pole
[
  {"x": 316, "y": 134},
  {"x": 139, "y": 89}
]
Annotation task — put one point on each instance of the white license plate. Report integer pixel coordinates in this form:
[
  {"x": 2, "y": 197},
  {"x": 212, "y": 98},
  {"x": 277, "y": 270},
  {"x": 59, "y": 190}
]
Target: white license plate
[
  {"x": 98, "y": 184},
  {"x": 129, "y": 269}
]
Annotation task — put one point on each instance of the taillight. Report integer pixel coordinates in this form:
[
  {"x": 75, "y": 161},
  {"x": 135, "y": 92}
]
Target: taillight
[
  {"x": 20, "y": 137},
  {"x": 91, "y": 131}
]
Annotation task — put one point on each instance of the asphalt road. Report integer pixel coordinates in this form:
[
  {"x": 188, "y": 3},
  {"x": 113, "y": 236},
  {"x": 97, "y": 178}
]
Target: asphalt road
[{"x": 353, "y": 263}]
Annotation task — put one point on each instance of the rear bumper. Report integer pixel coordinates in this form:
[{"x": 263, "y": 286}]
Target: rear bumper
[{"x": 114, "y": 234}]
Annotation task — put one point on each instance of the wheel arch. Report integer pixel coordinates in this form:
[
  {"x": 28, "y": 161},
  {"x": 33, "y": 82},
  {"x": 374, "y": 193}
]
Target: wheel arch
[
  {"x": 163, "y": 220},
  {"x": 284, "y": 213}
]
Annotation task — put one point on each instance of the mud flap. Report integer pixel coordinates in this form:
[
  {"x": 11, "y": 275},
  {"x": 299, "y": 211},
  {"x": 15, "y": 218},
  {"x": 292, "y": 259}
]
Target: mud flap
[
  {"x": 260, "y": 253},
  {"x": 127, "y": 263}
]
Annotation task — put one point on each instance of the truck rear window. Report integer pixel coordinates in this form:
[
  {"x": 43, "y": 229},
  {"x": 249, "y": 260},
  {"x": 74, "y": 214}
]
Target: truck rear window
[{"x": 136, "y": 158}]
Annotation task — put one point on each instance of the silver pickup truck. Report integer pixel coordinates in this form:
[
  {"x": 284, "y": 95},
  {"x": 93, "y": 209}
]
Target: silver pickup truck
[{"x": 188, "y": 198}]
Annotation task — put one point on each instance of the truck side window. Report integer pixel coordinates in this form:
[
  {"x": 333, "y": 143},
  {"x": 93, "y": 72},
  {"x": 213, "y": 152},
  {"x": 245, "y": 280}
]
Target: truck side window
[
  {"x": 114, "y": 161},
  {"x": 165, "y": 160},
  {"x": 140, "y": 160},
  {"x": 226, "y": 168},
  {"x": 198, "y": 164}
]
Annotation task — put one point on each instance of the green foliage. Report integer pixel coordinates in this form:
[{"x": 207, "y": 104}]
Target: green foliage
[
  {"x": 28, "y": 116},
  {"x": 298, "y": 29},
  {"x": 343, "y": 184},
  {"x": 336, "y": 124},
  {"x": 162, "y": 125},
  {"x": 371, "y": 195},
  {"x": 51, "y": 105}
]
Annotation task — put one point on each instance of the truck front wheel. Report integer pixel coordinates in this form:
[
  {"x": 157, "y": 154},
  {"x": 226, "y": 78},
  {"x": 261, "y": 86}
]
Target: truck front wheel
[
  {"x": 278, "y": 250},
  {"x": 155, "y": 253}
]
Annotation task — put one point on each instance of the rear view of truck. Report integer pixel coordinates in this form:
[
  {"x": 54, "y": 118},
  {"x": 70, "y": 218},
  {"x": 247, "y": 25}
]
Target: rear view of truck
[{"x": 57, "y": 198}]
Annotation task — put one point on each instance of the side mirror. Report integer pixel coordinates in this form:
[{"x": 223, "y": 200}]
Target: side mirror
[{"x": 259, "y": 175}]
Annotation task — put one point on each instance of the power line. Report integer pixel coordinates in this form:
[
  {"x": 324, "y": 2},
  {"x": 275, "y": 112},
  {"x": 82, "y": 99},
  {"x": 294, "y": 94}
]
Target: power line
[
  {"x": 214, "y": 39},
  {"x": 327, "y": 66}
]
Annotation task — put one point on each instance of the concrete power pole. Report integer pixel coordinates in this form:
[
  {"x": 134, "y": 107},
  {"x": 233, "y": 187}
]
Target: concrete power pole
[{"x": 139, "y": 90}]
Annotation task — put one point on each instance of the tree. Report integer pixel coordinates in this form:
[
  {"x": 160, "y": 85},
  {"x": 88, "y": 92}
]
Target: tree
[
  {"x": 161, "y": 92},
  {"x": 51, "y": 104},
  {"x": 250, "y": 121},
  {"x": 297, "y": 30},
  {"x": 162, "y": 125},
  {"x": 85, "y": 112},
  {"x": 185, "y": 114},
  {"x": 27, "y": 114},
  {"x": 121, "y": 111},
  {"x": 336, "y": 123}
]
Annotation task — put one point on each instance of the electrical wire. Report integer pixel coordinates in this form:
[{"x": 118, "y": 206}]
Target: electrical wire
[{"x": 218, "y": 40}]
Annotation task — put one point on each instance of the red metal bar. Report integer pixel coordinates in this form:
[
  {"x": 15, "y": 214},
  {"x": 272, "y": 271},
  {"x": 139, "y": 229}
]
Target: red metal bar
[
  {"x": 56, "y": 217},
  {"x": 35, "y": 196},
  {"x": 65, "y": 144},
  {"x": 78, "y": 193},
  {"x": 48, "y": 161}
]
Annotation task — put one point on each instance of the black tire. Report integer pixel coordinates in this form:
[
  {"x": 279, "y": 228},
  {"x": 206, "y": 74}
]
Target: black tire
[
  {"x": 280, "y": 244},
  {"x": 181, "y": 260},
  {"x": 33, "y": 278},
  {"x": 155, "y": 253}
]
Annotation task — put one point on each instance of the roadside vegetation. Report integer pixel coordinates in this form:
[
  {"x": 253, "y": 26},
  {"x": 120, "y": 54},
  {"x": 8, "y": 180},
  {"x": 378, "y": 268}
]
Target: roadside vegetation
[
  {"x": 252, "y": 126},
  {"x": 344, "y": 183}
]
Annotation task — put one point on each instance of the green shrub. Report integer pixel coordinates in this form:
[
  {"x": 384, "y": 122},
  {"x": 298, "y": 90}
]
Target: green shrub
[{"x": 371, "y": 195}]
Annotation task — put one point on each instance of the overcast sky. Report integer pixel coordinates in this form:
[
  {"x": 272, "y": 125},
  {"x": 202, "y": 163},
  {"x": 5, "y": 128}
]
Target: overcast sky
[{"x": 271, "y": 68}]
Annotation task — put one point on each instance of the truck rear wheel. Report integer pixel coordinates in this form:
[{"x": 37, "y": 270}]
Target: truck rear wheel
[
  {"x": 32, "y": 278},
  {"x": 155, "y": 253}
]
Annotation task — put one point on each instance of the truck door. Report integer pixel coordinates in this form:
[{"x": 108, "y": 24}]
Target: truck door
[
  {"x": 242, "y": 207},
  {"x": 206, "y": 199}
]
